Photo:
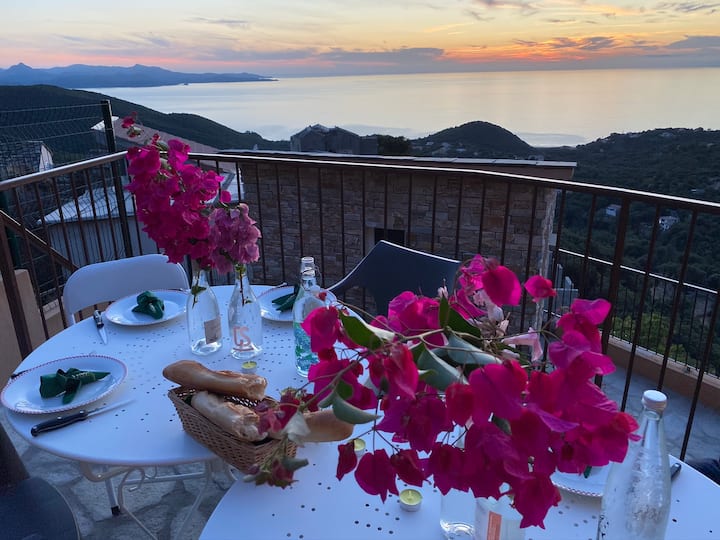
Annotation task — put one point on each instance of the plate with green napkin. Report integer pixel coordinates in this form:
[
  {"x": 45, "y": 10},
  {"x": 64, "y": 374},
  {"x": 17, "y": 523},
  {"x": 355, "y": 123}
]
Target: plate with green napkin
[
  {"x": 276, "y": 304},
  {"x": 147, "y": 307},
  {"x": 63, "y": 384}
]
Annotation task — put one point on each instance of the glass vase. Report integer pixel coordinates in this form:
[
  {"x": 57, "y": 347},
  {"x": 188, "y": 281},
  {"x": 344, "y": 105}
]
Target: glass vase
[
  {"x": 457, "y": 508},
  {"x": 203, "y": 316},
  {"x": 244, "y": 319}
]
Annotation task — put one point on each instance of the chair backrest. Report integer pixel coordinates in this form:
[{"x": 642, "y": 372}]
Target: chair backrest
[
  {"x": 110, "y": 280},
  {"x": 389, "y": 269}
]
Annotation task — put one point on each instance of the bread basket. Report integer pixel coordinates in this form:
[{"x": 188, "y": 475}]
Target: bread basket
[{"x": 240, "y": 454}]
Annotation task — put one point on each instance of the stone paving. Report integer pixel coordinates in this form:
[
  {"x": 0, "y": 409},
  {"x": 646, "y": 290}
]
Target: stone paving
[{"x": 162, "y": 507}]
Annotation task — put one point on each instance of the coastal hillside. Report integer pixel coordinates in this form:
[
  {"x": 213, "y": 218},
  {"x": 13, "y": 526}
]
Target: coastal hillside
[
  {"x": 39, "y": 108},
  {"x": 475, "y": 139}
]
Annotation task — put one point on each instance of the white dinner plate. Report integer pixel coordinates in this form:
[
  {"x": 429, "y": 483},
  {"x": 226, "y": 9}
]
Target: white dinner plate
[
  {"x": 121, "y": 311},
  {"x": 592, "y": 486},
  {"x": 268, "y": 310},
  {"x": 22, "y": 394}
]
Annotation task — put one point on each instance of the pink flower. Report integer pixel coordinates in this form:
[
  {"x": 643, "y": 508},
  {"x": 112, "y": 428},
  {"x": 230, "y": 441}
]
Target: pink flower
[
  {"x": 375, "y": 474},
  {"x": 539, "y": 288}
]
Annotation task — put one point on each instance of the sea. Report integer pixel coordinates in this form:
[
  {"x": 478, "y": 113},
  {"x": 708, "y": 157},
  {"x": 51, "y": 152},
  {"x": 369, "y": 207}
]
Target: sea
[{"x": 544, "y": 108}]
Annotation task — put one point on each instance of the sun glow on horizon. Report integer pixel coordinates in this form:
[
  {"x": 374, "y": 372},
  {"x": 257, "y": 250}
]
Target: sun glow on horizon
[{"x": 282, "y": 37}]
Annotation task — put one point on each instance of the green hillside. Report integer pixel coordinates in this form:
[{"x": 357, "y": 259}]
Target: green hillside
[{"x": 39, "y": 109}]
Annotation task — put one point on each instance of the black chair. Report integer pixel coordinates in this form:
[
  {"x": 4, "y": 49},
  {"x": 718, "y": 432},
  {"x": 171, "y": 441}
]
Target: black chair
[
  {"x": 30, "y": 507},
  {"x": 389, "y": 269}
]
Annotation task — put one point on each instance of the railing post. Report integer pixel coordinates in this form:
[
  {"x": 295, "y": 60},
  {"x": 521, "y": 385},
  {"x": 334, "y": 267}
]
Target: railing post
[
  {"x": 614, "y": 285},
  {"x": 12, "y": 291},
  {"x": 117, "y": 182}
]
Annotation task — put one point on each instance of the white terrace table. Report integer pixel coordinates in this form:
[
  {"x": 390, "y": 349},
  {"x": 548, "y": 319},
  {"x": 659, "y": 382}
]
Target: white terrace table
[
  {"x": 319, "y": 507},
  {"x": 147, "y": 431}
]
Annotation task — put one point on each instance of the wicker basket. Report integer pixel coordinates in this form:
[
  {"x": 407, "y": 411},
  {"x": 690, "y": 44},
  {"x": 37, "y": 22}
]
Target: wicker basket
[{"x": 240, "y": 454}]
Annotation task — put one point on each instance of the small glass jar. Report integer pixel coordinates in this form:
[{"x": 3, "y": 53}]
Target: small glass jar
[{"x": 244, "y": 318}]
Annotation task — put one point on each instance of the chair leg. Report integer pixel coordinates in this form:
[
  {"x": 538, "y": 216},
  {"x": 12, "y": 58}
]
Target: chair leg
[{"x": 114, "y": 506}]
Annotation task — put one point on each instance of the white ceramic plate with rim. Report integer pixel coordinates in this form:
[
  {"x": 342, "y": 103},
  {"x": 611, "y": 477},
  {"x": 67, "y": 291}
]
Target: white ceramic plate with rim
[
  {"x": 22, "y": 394},
  {"x": 592, "y": 486},
  {"x": 268, "y": 309},
  {"x": 121, "y": 311}
]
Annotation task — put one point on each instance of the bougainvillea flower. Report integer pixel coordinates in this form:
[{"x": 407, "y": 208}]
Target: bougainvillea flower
[
  {"x": 347, "y": 459},
  {"x": 459, "y": 398},
  {"x": 533, "y": 498},
  {"x": 539, "y": 288},
  {"x": 502, "y": 387},
  {"x": 530, "y": 339},
  {"x": 400, "y": 370},
  {"x": 445, "y": 464},
  {"x": 409, "y": 467},
  {"x": 501, "y": 284},
  {"x": 324, "y": 328},
  {"x": 375, "y": 474},
  {"x": 585, "y": 316}
]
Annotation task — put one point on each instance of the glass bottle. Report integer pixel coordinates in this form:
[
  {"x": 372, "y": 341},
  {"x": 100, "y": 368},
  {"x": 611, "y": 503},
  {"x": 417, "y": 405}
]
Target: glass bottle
[
  {"x": 636, "y": 499},
  {"x": 203, "y": 316},
  {"x": 307, "y": 299},
  {"x": 457, "y": 508},
  {"x": 244, "y": 319},
  {"x": 497, "y": 520}
]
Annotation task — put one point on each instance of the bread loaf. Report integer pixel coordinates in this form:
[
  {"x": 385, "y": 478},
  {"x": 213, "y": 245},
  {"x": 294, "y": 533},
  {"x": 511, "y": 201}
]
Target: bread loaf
[
  {"x": 325, "y": 427},
  {"x": 232, "y": 417},
  {"x": 192, "y": 374}
]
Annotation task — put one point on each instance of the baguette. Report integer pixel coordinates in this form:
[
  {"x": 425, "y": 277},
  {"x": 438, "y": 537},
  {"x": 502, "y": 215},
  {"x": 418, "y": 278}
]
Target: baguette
[
  {"x": 326, "y": 427},
  {"x": 192, "y": 374},
  {"x": 236, "y": 419}
]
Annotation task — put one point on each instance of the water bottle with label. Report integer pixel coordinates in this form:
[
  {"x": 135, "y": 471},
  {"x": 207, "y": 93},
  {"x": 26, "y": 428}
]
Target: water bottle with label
[
  {"x": 307, "y": 299},
  {"x": 636, "y": 499}
]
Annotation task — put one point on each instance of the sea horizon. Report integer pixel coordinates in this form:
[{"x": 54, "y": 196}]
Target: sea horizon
[{"x": 545, "y": 108}]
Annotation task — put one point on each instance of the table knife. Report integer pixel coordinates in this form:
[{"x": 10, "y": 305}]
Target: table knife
[
  {"x": 68, "y": 419},
  {"x": 100, "y": 326}
]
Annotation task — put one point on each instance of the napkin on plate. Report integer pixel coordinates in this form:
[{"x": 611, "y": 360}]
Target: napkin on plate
[
  {"x": 69, "y": 381},
  {"x": 286, "y": 301},
  {"x": 149, "y": 304}
]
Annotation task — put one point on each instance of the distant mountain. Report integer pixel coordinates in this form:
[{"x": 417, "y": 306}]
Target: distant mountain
[
  {"x": 474, "y": 139},
  {"x": 83, "y": 76}
]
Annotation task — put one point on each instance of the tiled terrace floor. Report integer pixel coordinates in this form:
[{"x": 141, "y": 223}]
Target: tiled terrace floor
[{"x": 162, "y": 507}]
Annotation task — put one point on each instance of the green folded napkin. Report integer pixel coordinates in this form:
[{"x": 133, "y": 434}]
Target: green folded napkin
[
  {"x": 68, "y": 381},
  {"x": 286, "y": 301},
  {"x": 149, "y": 304}
]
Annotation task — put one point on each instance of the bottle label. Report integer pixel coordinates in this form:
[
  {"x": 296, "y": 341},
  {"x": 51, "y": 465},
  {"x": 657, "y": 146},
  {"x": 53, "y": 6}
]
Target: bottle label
[
  {"x": 213, "y": 330},
  {"x": 241, "y": 339}
]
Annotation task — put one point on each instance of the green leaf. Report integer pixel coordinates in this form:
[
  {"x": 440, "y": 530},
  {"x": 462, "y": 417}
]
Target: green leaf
[
  {"x": 327, "y": 400},
  {"x": 293, "y": 464},
  {"x": 459, "y": 324},
  {"x": 343, "y": 389},
  {"x": 462, "y": 352},
  {"x": 350, "y": 413},
  {"x": 363, "y": 334},
  {"x": 439, "y": 374}
]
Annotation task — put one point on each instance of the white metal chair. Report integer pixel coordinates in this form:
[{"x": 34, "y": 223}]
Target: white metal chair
[
  {"x": 389, "y": 269},
  {"x": 111, "y": 280},
  {"x": 107, "y": 281}
]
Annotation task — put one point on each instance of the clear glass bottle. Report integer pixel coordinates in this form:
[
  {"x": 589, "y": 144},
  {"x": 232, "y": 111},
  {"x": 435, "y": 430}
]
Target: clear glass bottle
[
  {"x": 636, "y": 500},
  {"x": 203, "y": 316},
  {"x": 497, "y": 520},
  {"x": 457, "y": 508},
  {"x": 307, "y": 299},
  {"x": 244, "y": 319}
]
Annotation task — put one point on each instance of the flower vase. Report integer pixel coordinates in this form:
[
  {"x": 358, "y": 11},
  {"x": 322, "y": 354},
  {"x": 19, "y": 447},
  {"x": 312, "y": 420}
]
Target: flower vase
[
  {"x": 497, "y": 520},
  {"x": 457, "y": 508},
  {"x": 244, "y": 318},
  {"x": 203, "y": 316}
]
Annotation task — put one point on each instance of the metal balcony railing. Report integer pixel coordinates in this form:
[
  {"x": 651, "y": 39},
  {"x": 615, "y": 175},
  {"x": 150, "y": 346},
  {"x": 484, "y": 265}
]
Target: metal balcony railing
[{"x": 592, "y": 240}]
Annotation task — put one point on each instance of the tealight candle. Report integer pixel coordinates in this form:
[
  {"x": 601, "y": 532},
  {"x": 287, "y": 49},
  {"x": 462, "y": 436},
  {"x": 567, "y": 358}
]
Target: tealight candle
[
  {"x": 410, "y": 500},
  {"x": 359, "y": 446},
  {"x": 248, "y": 366}
]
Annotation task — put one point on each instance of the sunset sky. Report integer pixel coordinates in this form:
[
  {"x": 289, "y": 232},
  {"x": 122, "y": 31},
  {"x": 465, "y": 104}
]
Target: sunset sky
[{"x": 326, "y": 37}]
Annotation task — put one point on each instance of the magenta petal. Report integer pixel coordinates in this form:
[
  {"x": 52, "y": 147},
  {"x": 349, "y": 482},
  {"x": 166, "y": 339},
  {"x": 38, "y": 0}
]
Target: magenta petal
[{"x": 502, "y": 286}]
